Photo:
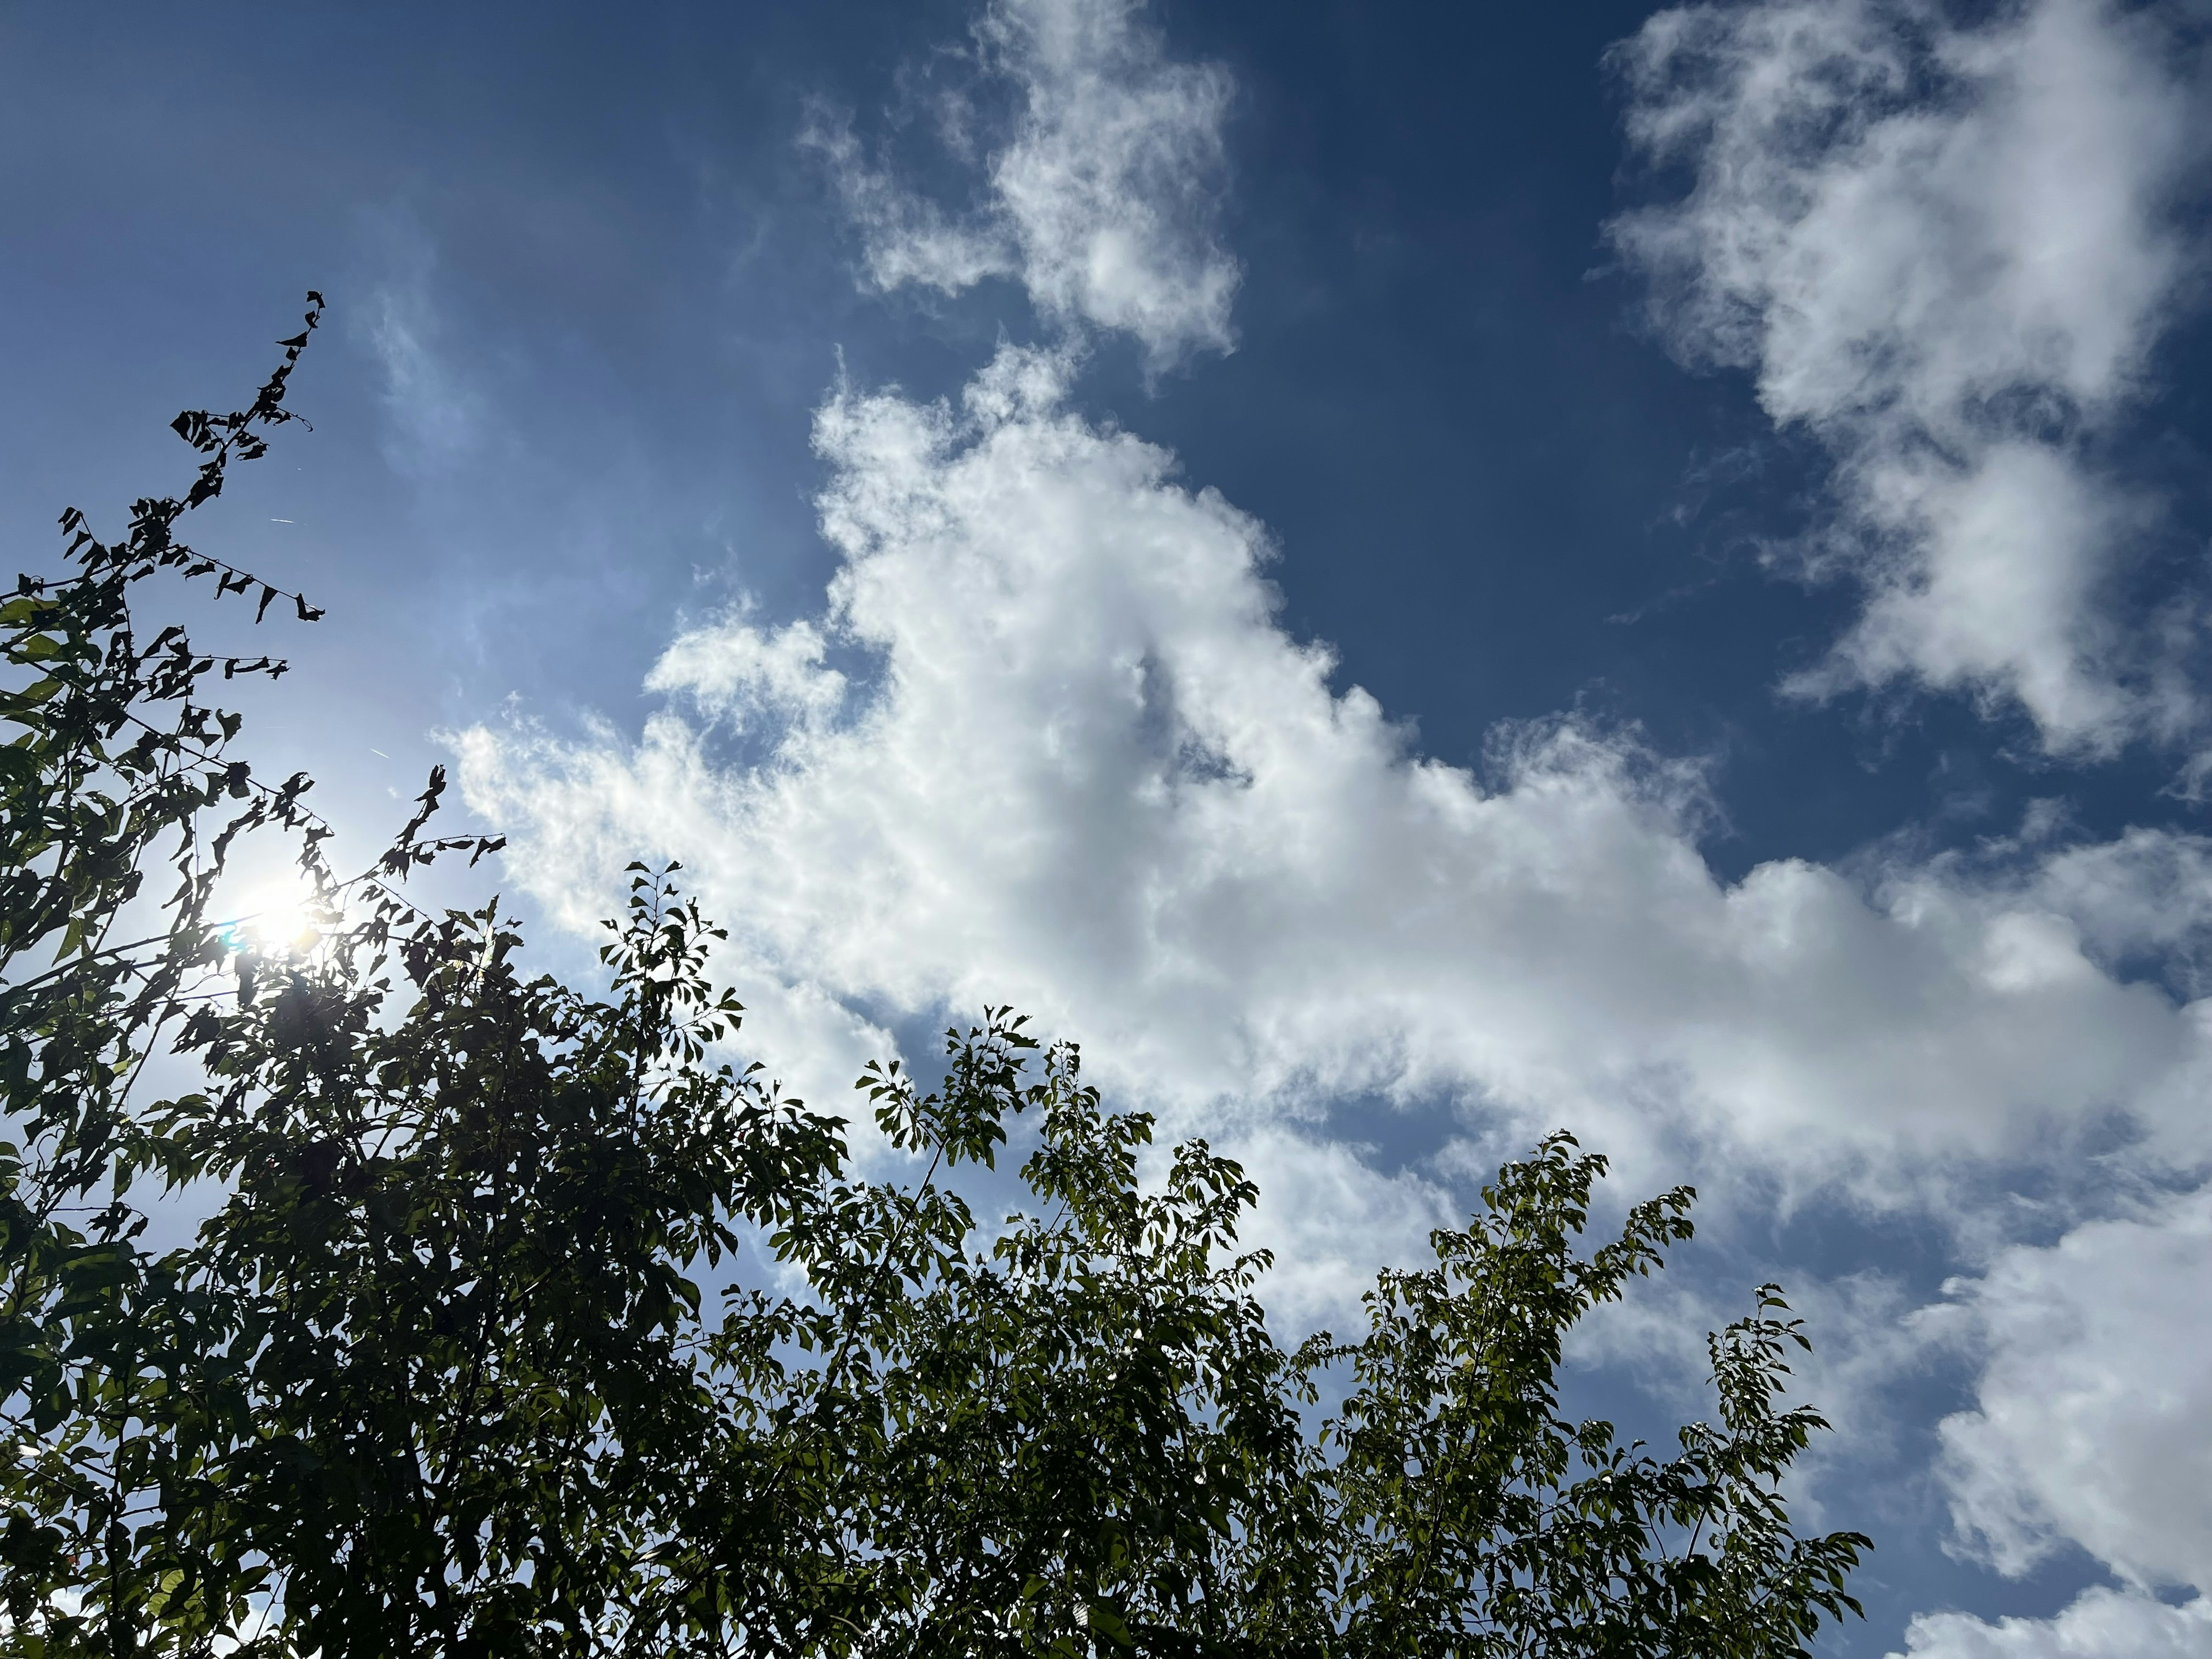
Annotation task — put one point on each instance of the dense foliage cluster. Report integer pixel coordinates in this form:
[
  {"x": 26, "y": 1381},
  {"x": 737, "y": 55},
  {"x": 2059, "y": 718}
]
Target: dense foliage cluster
[{"x": 460, "y": 1363}]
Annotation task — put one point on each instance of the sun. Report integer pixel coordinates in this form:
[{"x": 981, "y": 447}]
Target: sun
[{"x": 279, "y": 920}]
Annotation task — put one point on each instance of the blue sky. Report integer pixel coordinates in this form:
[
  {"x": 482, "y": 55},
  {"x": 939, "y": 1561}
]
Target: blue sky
[{"x": 1409, "y": 575}]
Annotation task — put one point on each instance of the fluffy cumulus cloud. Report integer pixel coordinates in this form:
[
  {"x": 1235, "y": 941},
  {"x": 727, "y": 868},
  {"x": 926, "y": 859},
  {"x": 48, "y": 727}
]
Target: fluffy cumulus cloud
[
  {"x": 1047, "y": 743},
  {"x": 1102, "y": 197},
  {"x": 1947, "y": 251},
  {"x": 2102, "y": 1624},
  {"x": 2093, "y": 1423},
  {"x": 1087, "y": 771}
]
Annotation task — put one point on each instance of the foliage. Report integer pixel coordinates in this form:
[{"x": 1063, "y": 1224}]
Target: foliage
[
  {"x": 1481, "y": 1521},
  {"x": 114, "y": 770},
  {"x": 464, "y": 1362}
]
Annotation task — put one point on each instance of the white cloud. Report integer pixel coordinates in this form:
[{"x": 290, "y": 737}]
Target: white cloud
[
  {"x": 733, "y": 672},
  {"x": 2101, "y": 1624},
  {"x": 1067, "y": 757},
  {"x": 1102, "y": 198},
  {"x": 1947, "y": 252},
  {"x": 1093, "y": 776},
  {"x": 2093, "y": 1420},
  {"x": 1331, "y": 1219}
]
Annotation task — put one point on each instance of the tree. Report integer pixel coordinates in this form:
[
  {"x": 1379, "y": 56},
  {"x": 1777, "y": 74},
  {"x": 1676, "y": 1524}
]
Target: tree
[
  {"x": 113, "y": 770},
  {"x": 460, "y": 1364}
]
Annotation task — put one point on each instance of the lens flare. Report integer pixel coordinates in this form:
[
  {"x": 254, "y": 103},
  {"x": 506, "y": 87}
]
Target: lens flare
[{"x": 280, "y": 920}]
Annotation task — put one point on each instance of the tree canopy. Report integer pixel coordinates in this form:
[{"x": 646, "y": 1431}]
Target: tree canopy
[{"x": 462, "y": 1363}]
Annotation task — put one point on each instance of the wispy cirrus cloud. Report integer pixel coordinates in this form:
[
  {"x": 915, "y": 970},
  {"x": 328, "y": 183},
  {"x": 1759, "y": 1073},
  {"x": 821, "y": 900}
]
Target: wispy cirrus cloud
[
  {"x": 1102, "y": 197},
  {"x": 433, "y": 416},
  {"x": 1947, "y": 251}
]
